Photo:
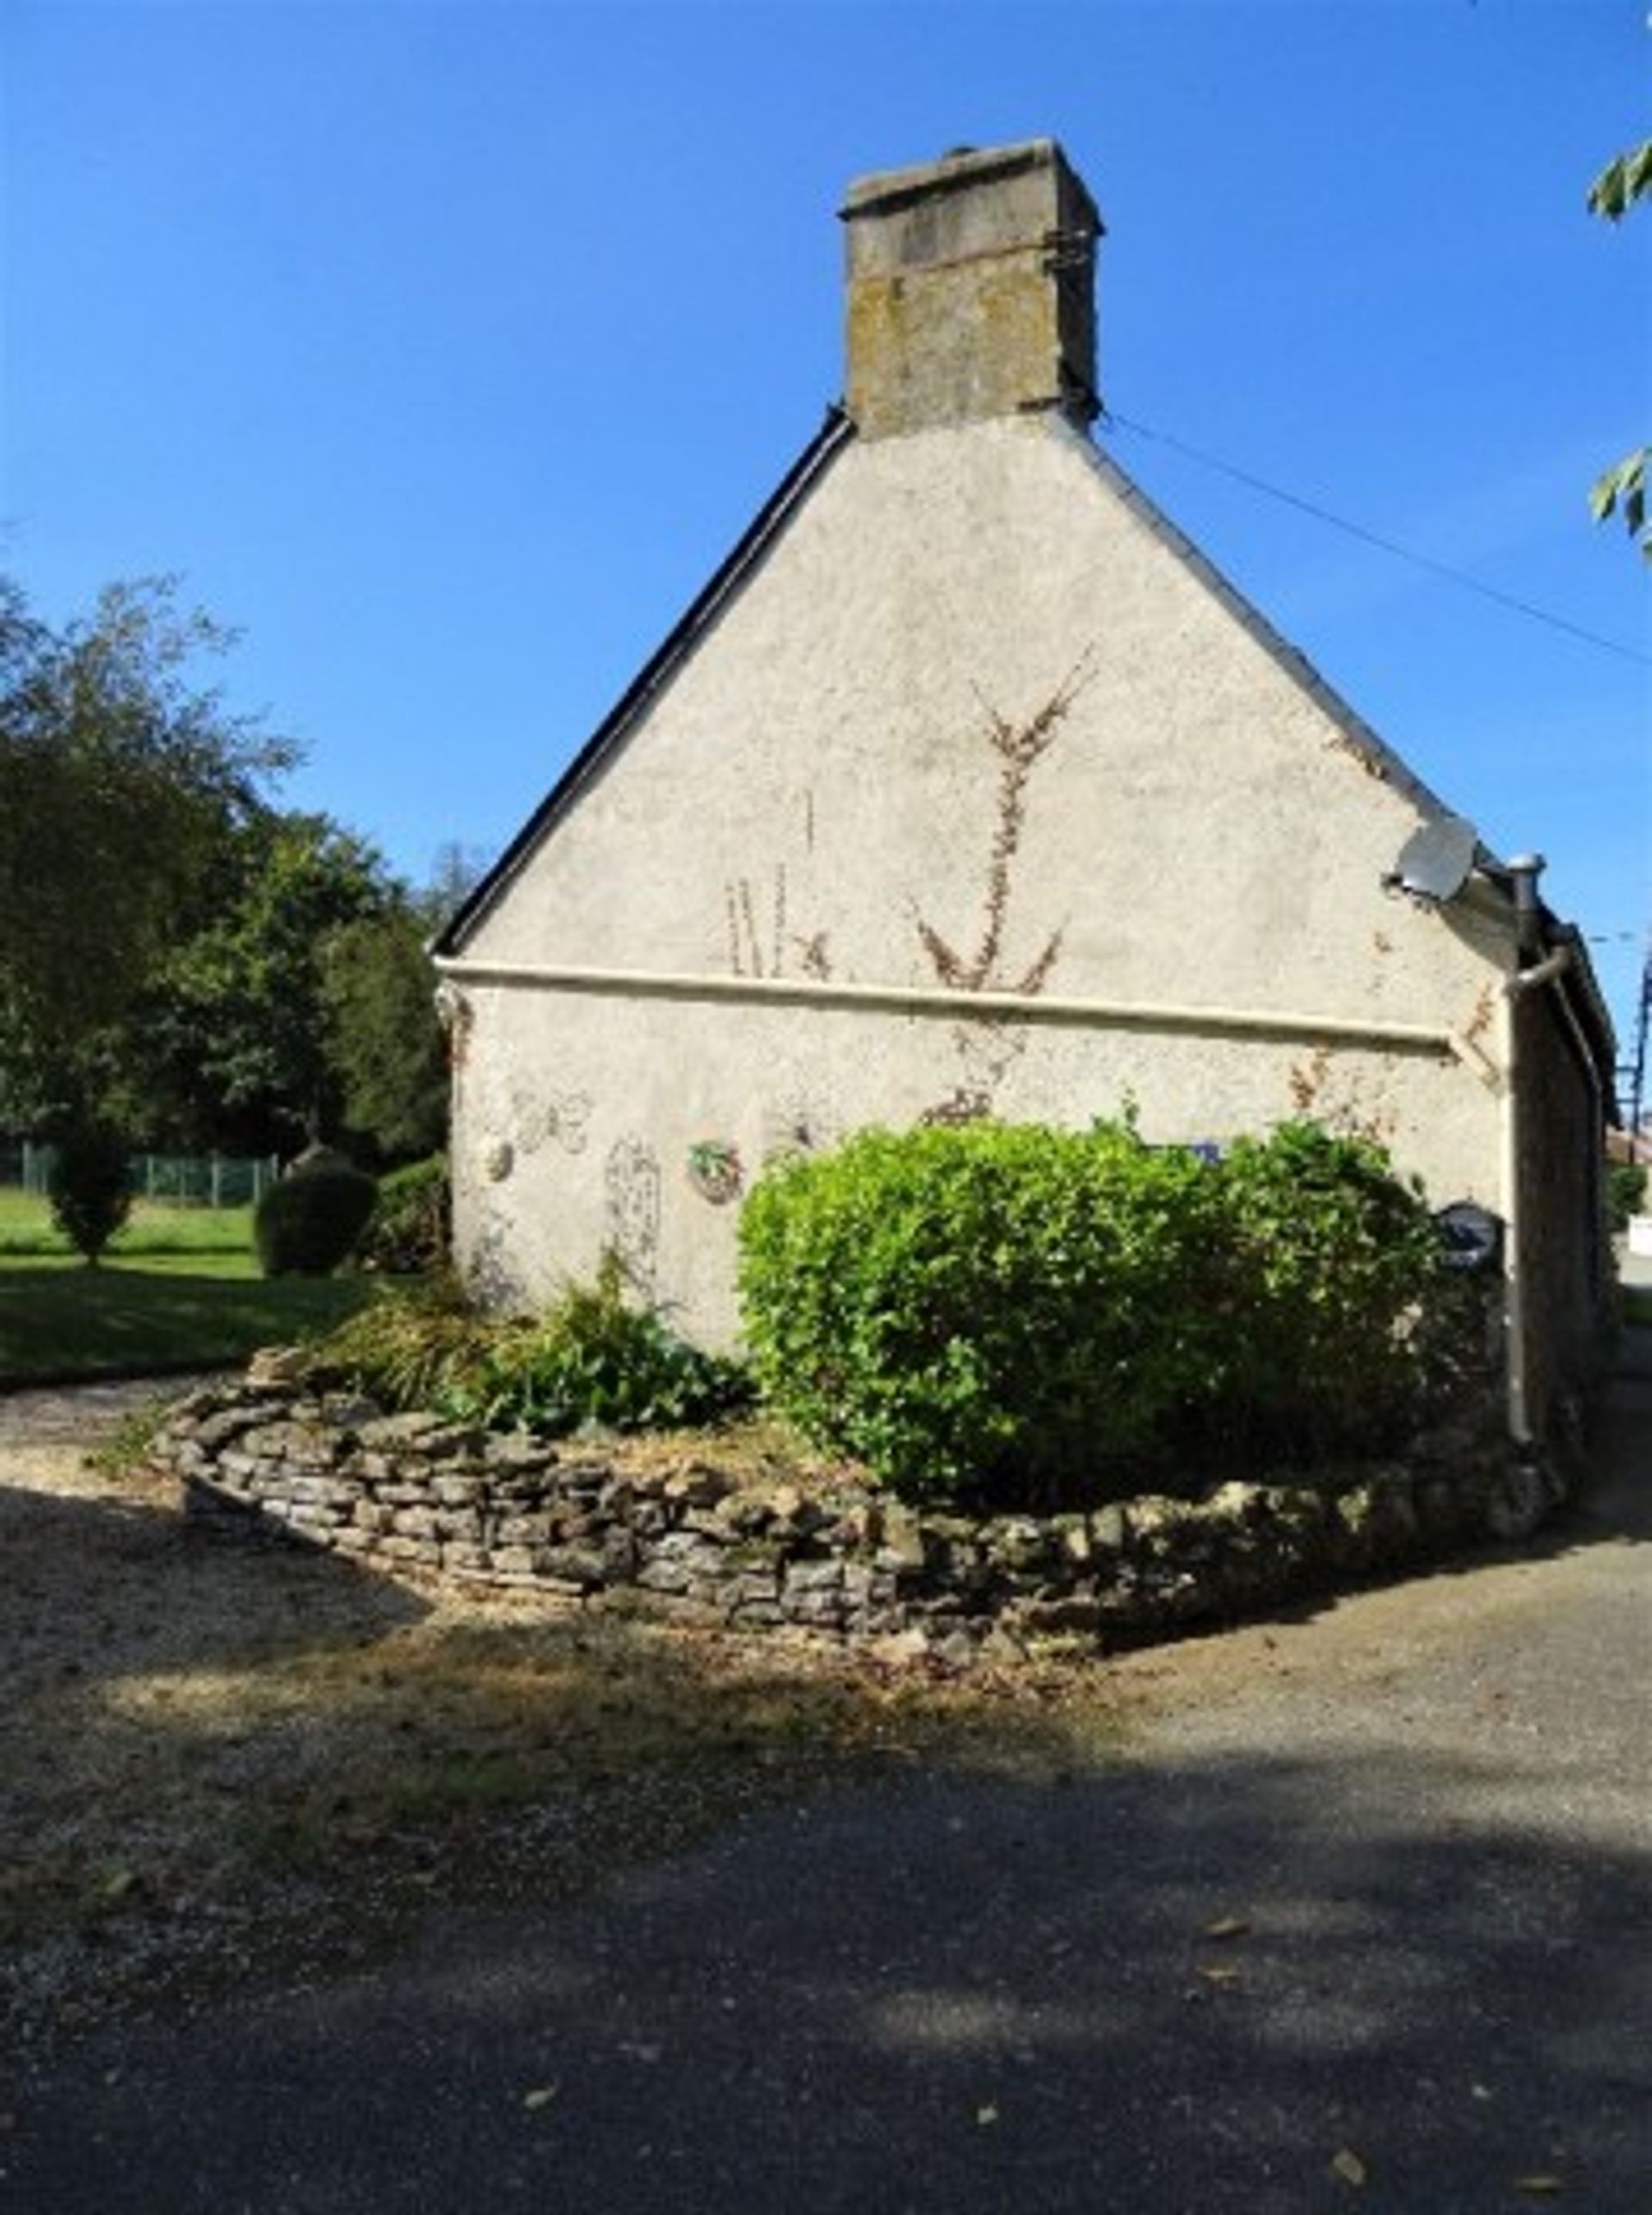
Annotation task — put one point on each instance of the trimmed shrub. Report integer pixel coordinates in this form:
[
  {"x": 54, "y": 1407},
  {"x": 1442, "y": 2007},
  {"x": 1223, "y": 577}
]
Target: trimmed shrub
[
  {"x": 87, "y": 1186},
  {"x": 1002, "y": 1315},
  {"x": 1332, "y": 1285},
  {"x": 408, "y": 1235},
  {"x": 307, "y": 1222},
  {"x": 1019, "y": 1316}
]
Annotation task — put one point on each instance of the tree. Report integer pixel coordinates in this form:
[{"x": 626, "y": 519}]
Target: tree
[
  {"x": 378, "y": 990},
  {"x": 378, "y": 987},
  {"x": 1621, "y": 489},
  {"x": 177, "y": 953},
  {"x": 230, "y": 1045},
  {"x": 121, "y": 775}
]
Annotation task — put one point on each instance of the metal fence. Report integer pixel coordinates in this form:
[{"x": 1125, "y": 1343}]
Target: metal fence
[{"x": 181, "y": 1180}]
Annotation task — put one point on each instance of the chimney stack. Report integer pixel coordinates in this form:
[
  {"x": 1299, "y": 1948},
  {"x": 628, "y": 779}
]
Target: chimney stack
[{"x": 971, "y": 290}]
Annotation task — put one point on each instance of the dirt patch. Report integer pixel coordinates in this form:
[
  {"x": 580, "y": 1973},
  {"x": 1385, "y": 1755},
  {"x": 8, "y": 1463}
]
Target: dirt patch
[{"x": 226, "y": 1764}]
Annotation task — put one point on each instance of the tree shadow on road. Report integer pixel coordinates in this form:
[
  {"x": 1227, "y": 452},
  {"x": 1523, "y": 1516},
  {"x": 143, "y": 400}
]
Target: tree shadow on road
[{"x": 1269, "y": 1984}]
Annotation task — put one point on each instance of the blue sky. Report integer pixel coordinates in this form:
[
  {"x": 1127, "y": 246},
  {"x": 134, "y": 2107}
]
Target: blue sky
[{"x": 446, "y": 346}]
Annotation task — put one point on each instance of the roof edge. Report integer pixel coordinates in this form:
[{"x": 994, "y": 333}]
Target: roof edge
[
  {"x": 1580, "y": 981},
  {"x": 765, "y": 527},
  {"x": 1373, "y": 751}
]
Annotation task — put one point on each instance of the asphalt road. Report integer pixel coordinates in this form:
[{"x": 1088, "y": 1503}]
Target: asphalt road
[{"x": 1362, "y": 1917}]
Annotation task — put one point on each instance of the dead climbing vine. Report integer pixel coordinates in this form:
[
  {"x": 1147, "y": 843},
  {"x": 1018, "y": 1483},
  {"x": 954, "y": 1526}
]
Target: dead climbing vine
[{"x": 1019, "y": 748}]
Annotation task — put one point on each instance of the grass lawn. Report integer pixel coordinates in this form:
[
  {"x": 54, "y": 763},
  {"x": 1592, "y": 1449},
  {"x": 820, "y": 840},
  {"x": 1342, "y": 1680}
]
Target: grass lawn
[
  {"x": 179, "y": 1289},
  {"x": 26, "y": 1228},
  {"x": 60, "y": 1321}
]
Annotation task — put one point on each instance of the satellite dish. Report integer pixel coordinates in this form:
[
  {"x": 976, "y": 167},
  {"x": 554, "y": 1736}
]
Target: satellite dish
[{"x": 1436, "y": 858}]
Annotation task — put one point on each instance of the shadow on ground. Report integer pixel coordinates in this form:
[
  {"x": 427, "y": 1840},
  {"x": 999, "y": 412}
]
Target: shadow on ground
[
  {"x": 1381, "y": 1938},
  {"x": 1198, "y": 1986}
]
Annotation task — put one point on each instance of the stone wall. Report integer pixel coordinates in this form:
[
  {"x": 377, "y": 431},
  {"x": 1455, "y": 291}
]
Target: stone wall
[{"x": 819, "y": 1550}]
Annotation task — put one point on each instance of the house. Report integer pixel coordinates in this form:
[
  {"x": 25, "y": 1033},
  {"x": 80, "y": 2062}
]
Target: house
[{"x": 968, "y": 787}]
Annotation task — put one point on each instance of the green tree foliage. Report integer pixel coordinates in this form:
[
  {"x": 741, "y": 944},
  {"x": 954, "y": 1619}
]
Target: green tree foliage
[
  {"x": 386, "y": 1046},
  {"x": 175, "y": 952},
  {"x": 1625, "y": 179},
  {"x": 1621, "y": 489},
  {"x": 1626, "y": 1194},
  {"x": 121, "y": 774},
  {"x": 379, "y": 996},
  {"x": 302, "y": 1005},
  {"x": 233, "y": 1031}
]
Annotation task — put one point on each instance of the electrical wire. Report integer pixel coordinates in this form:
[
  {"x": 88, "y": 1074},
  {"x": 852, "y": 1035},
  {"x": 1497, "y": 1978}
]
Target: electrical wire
[{"x": 1386, "y": 545}]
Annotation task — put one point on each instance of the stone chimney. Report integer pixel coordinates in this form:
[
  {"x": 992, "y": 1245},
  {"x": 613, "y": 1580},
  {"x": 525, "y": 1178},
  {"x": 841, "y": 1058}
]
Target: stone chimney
[{"x": 971, "y": 290}]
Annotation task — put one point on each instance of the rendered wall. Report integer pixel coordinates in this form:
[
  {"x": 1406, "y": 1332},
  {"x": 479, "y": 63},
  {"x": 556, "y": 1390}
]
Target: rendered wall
[
  {"x": 975, "y": 726},
  {"x": 592, "y": 1120}
]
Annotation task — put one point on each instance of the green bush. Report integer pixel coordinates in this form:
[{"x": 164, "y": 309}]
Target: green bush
[
  {"x": 1332, "y": 1282},
  {"x": 1018, "y": 1317},
  {"x": 306, "y": 1223},
  {"x": 408, "y": 1235},
  {"x": 87, "y": 1186},
  {"x": 1010, "y": 1315},
  {"x": 592, "y": 1357},
  {"x": 1626, "y": 1194}
]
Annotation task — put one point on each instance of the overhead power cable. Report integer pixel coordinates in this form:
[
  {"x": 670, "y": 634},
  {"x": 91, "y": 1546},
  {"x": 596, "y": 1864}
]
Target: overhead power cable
[{"x": 1385, "y": 546}]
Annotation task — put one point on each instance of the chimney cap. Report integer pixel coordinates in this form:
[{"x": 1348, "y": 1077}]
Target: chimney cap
[{"x": 882, "y": 191}]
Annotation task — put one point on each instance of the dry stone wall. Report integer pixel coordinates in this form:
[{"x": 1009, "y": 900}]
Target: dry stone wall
[{"x": 824, "y": 1551}]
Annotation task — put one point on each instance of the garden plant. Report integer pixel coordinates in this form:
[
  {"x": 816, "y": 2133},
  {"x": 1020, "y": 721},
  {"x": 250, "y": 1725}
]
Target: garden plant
[{"x": 1016, "y": 1316}]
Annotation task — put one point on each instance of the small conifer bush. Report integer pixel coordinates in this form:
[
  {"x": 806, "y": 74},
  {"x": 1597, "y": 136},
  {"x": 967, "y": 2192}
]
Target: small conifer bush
[{"x": 87, "y": 1186}]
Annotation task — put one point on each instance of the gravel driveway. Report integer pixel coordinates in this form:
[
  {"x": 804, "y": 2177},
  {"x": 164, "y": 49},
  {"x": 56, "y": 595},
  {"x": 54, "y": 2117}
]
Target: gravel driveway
[{"x": 1361, "y": 1915}]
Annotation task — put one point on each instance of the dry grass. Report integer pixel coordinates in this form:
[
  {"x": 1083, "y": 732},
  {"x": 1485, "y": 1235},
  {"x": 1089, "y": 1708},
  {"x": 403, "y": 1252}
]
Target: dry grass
[{"x": 222, "y": 1762}]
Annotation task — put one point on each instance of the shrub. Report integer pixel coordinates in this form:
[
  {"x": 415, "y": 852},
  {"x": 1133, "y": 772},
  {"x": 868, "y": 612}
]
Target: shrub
[
  {"x": 87, "y": 1186},
  {"x": 1003, "y": 1314},
  {"x": 408, "y": 1235},
  {"x": 307, "y": 1222},
  {"x": 590, "y": 1358},
  {"x": 1332, "y": 1286},
  {"x": 1021, "y": 1316},
  {"x": 1626, "y": 1194}
]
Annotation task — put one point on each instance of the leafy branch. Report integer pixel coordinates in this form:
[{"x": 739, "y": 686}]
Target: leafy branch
[{"x": 1621, "y": 489}]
